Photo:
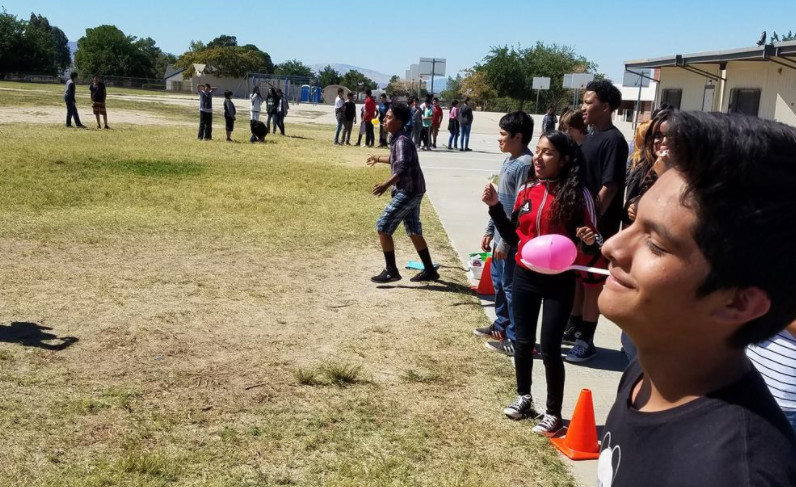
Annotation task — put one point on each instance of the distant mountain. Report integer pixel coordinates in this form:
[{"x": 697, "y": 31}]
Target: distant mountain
[{"x": 382, "y": 79}]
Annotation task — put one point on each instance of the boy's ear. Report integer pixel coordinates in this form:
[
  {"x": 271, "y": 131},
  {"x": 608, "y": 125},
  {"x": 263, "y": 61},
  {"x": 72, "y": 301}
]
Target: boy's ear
[{"x": 743, "y": 306}]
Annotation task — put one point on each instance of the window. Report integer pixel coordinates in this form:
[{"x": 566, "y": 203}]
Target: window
[
  {"x": 672, "y": 96},
  {"x": 745, "y": 100}
]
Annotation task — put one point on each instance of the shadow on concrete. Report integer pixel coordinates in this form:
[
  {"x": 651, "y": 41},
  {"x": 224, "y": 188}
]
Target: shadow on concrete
[
  {"x": 34, "y": 335},
  {"x": 606, "y": 359}
]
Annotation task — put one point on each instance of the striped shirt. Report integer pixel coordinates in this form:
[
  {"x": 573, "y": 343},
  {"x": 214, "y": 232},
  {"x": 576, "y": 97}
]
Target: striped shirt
[
  {"x": 513, "y": 174},
  {"x": 776, "y": 361}
]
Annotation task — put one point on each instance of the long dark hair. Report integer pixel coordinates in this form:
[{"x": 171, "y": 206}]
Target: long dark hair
[{"x": 570, "y": 200}]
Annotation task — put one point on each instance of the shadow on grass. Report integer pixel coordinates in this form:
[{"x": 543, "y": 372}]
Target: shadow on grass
[
  {"x": 33, "y": 335},
  {"x": 440, "y": 286}
]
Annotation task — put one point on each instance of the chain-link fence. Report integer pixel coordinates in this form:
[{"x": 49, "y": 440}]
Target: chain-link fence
[{"x": 110, "y": 81}]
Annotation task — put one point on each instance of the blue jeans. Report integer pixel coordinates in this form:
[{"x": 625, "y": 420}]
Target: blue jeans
[
  {"x": 503, "y": 279},
  {"x": 275, "y": 118},
  {"x": 453, "y": 140},
  {"x": 71, "y": 112},
  {"x": 466, "y": 136},
  {"x": 340, "y": 125}
]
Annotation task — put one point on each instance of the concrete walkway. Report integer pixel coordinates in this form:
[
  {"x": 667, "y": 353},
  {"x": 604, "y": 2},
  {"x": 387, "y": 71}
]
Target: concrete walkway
[{"x": 455, "y": 181}]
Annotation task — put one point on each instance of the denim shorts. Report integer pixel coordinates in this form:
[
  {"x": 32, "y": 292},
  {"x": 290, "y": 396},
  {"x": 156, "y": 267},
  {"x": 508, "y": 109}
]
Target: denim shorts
[{"x": 403, "y": 208}]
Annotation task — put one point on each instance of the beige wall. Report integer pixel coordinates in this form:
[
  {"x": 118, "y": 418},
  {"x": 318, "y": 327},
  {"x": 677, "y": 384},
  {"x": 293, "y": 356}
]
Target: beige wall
[
  {"x": 777, "y": 85},
  {"x": 692, "y": 84}
]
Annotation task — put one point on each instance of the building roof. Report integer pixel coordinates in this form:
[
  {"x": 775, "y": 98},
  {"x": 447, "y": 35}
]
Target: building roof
[
  {"x": 784, "y": 51},
  {"x": 172, "y": 71}
]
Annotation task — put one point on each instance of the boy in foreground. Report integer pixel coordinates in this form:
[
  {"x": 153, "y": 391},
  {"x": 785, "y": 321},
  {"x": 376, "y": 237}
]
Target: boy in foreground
[
  {"x": 705, "y": 270},
  {"x": 516, "y": 132},
  {"x": 408, "y": 187}
]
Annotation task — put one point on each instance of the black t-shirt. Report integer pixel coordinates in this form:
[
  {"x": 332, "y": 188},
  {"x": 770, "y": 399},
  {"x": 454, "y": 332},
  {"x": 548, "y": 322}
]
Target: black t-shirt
[
  {"x": 736, "y": 436},
  {"x": 606, "y": 160},
  {"x": 350, "y": 111}
]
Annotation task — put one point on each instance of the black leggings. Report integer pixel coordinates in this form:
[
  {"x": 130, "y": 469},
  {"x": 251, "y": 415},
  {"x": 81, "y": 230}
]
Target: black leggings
[{"x": 557, "y": 292}]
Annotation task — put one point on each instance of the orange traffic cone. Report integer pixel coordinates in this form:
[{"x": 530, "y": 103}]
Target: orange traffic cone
[
  {"x": 580, "y": 443},
  {"x": 485, "y": 285}
]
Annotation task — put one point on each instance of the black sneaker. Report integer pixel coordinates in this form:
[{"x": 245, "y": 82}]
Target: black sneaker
[
  {"x": 549, "y": 426},
  {"x": 505, "y": 346},
  {"x": 571, "y": 335},
  {"x": 581, "y": 352},
  {"x": 387, "y": 275},
  {"x": 468, "y": 150},
  {"x": 521, "y": 408},
  {"x": 425, "y": 276},
  {"x": 489, "y": 331}
]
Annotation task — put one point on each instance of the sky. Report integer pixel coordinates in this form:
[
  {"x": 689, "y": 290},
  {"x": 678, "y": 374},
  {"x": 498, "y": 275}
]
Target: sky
[{"x": 384, "y": 38}]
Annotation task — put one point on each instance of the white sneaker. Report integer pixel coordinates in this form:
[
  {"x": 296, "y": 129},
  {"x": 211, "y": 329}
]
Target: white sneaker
[{"x": 549, "y": 426}]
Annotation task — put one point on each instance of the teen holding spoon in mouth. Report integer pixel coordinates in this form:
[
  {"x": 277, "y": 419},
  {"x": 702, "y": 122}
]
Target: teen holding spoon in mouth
[{"x": 553, "y": 201}]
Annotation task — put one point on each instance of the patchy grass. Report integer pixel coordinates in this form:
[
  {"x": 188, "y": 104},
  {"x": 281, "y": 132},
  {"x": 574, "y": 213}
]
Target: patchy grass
[{"x": 206, "y": 283}]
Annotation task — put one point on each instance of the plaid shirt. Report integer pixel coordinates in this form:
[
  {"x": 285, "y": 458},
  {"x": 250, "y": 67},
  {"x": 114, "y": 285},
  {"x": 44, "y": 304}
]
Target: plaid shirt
[{"x": 405, "y": 163}]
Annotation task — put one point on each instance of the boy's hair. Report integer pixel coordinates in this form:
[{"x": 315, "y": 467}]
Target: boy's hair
[
  {"x": 402, "y": 112},
  {"x": 606, "y": 92},
  {"x": 73, "y": 75},
  {"x": 518, "y": 123},
  {"x": 454, "y": 103},
  {"x": 227, "y": 94},
  {"x": 435, "y": 99},
  {"x": 340, "y": 90},
  {"x": 383, "y": 96},
  {"x": 573, "y": 119},
  {"x": 466, "y": 100},
  {"x": 207, "y": 85},
  {"x": 368, "y": 92},
  {"x": 740, "y": 175},
  {"x": 351, "y": 94}
]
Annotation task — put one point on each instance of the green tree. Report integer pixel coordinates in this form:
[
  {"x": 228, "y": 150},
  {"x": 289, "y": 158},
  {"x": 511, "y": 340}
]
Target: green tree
[
  {"x": 223, "y": 41},
  {"x": 506, "y": 72},
  {"x": 234, "y": 62},
  {"x": 33, "y": 47},
  {"x": 54, "y": 55},
  {"x": 158, "y": 59},
  {"x": 293, "y": 67},
  {"x": 12, "y": 31},
  {"x": 107, "y": 50},
  {"x": 358, "y": 82},
  {"x": 329, "y": 76},
  {"x": 196, "y": 46},
  {"x": 453, "y": 88},
  {"x": 266, "y": 66}
]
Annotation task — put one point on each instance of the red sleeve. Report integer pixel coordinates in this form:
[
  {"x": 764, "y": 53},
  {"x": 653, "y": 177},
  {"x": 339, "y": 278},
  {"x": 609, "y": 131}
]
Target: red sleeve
[{"x": 590, "y": 214}]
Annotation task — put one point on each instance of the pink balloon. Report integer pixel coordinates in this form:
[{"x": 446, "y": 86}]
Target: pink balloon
[{"x": 550, "y": 254}]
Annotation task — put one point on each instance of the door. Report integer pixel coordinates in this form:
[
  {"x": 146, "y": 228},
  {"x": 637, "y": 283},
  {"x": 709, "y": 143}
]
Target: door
[
  {"x": 745, "y": 100},
  {"x": 672, "y": 96},
  {"x": 707, "y": 100}
]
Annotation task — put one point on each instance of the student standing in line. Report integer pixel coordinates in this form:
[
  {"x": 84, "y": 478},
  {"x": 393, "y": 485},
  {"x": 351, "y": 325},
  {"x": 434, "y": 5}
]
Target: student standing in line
[
  {"x": 339, "y": 116},
  {"x": 281, "y": 112},
  {"x": 229, "y": 114},
  {"x": 71, "y": 106},
  {"x": 705, "y": 270},
  {"x": 605, "y": 152},
  {"x": 516, "y": 132},
  {"x": 466, "y": 124},
  {"x": 436, "y": 122},
  {"x": 206, "y": 112},
  {"x": 370, "y": 114},
  {"x": 257, "y": 102},
  {"x": 453, "y": 125},
  {"x": 425, "y": 133},
  {"x": 272, "y": 107},
  {"x": 553, "y": 201},
  {"x": 349, "y": 119},
  {"x": 408, "y": 187},
  {"x": 417, "y": 123},
  {"x": 384, "y": 105},
  {"x": 98, "y": 96}
]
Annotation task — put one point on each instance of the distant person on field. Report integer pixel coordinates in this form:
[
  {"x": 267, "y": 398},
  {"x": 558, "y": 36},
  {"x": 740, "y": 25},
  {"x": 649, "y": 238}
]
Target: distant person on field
[
  {"x": 229, "y": 114},
  {"x": 436, "y": 122},
  {"x": 384, "y": 105},
  {"x": 425, "y": 134},
  {"x": 272, "y": 107},
  {"x": 408, "y": 187},
  {"x": 549, "y": 120},
  {"x": 206, "y": 111},
  {"x": 349, "y": 119},
  {"x": 259, "y": 131},
  {"x": 370, "y": 114},
  {"x": 417, "y": 123},
  {"x": 339, "y": 115},
  {"x": 362, "y": 128},
  {"x": 453, "y": 125},
  {"x": 257, "y": 102},
  {"x": 516, "y": 132},
  {"x": 98, "y": 96},
  {"x": 69, "y": 98},
  {"x": 281, "y": 111},
  {"x": 466, "y": 123}
]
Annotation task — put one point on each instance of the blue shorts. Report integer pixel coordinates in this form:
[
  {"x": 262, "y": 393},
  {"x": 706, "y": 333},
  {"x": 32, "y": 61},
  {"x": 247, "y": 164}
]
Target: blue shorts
[{"x": 403, "y": 208}]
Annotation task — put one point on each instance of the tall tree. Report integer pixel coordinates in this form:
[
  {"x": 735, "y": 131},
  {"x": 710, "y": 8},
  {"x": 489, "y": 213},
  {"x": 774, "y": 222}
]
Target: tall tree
[
  {"x": 329, "y": 76},
  {"x": 266, "y": 66},
  {"x": 234, "y": 62},
  {"x": 506, "y": 73},
  {"x": 223, "y": 41},
  {"x": 293, "y": 67},
  {"x": 32, "y": 47},
  {"x": 108, "y": 51},
  {"x": 476, "y": 86},
  {"x": 358, "y": 82},
  {"x": 11, "y": 41},
  {"x": 453, "y": 88}
]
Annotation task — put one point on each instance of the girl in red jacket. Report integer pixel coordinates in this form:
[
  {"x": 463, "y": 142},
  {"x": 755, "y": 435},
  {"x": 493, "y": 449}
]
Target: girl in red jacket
[{"x": 553, "y": 201}]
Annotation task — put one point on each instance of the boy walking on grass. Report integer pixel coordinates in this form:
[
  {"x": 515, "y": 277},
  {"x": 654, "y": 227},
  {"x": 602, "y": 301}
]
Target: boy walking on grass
[
  {"x": 699, "y": 275},
  {"x": 408, "y": 187},
  {"x": 516, "y": 132},
  {"x": 98, "y": 96}
]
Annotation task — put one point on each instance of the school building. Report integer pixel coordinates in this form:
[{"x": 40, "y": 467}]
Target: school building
[{"x": 759, "y": 80}]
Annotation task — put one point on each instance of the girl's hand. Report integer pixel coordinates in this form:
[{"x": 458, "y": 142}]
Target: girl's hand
[
  {"x": 372, "y": 160},
  {"x": 489, "y": 196},
  {"x": 586, "y": 235}
]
